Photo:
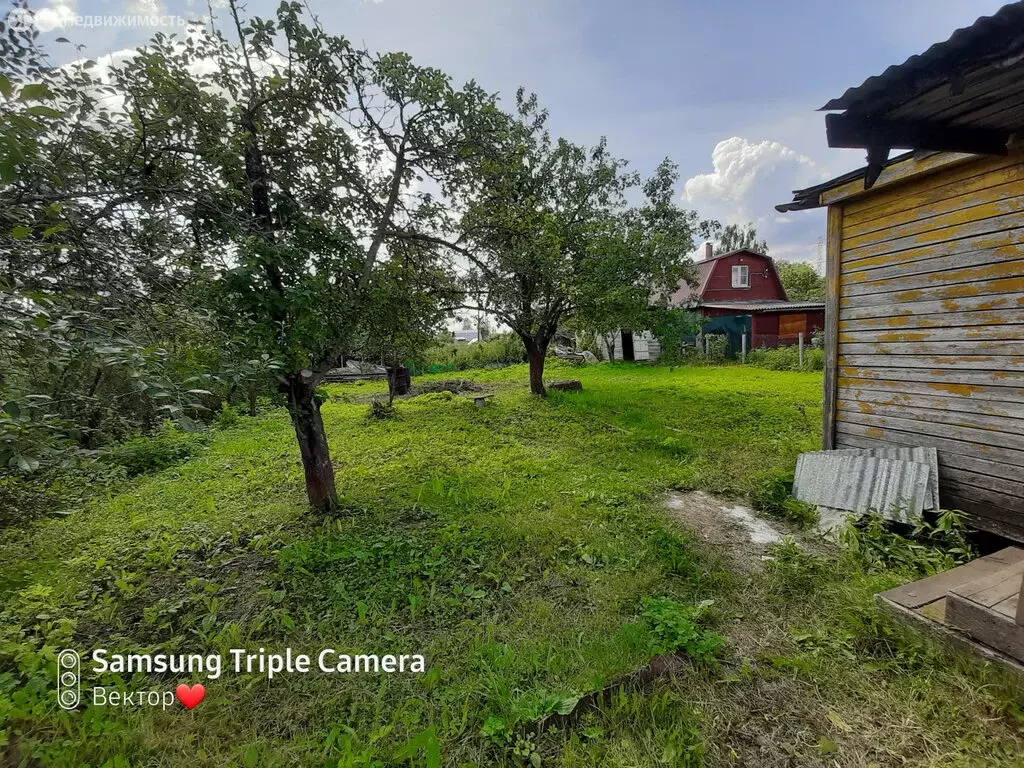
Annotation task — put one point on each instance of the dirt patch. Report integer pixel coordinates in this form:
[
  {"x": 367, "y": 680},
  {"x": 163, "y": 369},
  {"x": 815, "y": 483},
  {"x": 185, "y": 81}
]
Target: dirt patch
[
  {"x": 455, "y": 386},
  {"x": 728, "y": 528}
]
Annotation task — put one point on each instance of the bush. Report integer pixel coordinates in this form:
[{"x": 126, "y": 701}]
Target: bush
[
  {"x": 772, "y": 495},
  {"x": 716, "y": 345},
  {"x": 380, "y": 410},
  {"x": 795, "y": 572},
  {"x": 876, "y": 544},
  {"x": 432, "y": 397},
  {"x": 166, "y": 448},
  {"x": 227, "y": 416},
  {"x": 787, "y": 358},
  {"x": 676, "y": 626},
  {"x": 498, "y": 351}
]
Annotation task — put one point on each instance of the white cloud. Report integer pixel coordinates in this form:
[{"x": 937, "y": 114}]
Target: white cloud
[
  {"x": 57, "y": 14},
  {"x": 146, "y": 7},
  {"x": 747, "y": 181}
]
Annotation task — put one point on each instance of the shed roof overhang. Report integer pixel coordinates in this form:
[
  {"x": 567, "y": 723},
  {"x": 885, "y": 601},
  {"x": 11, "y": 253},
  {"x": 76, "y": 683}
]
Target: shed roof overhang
[{"x": 964, "y": 95}]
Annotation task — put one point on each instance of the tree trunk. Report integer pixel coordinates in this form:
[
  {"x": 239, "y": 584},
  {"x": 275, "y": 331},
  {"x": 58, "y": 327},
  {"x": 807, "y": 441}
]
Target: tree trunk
[
  {"x": 252, "y": 400},
  {"x": 304, "y": 409},
  {"x": 535, "y": 353}
]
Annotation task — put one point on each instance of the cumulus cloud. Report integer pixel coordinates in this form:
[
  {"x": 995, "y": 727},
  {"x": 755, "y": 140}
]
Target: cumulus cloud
[
  {"x": 57, "y": 14},
  {"x": 746, "y": 182},
  {"x": 146, "y": 7}
]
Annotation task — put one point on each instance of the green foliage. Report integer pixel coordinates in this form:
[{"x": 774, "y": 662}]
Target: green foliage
[
  {"x": 734, "y": 237},
  {"x": 227, "y": 417},
  {"x": 380, "y": 410},
  {"x": 773, "y": 494},
  {"x": 787, "y": 358},
  {"x": 550, "y": 238},
  {"x": 928, "y": 548},
  {"x": 670, "y": 327},
  {"x": 801, "y": 281},
  {"x": 164, "y": 449},
  {"x": 715, "y": 347},
  {"x": 677, "y": 627},
  {"x": 796, "y": 571},
  {"x": 497, "y": 351}
]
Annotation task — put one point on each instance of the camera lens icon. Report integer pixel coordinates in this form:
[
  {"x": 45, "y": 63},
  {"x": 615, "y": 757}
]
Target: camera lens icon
[{"x": 69, "y": 679}]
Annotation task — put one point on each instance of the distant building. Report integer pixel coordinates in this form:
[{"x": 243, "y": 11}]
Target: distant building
[
  {"x": 468, "y": 337},
  {"x": 737, "y": 292}
]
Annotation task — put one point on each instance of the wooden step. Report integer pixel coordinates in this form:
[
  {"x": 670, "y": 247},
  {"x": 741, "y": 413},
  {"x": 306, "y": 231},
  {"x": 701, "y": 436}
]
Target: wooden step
[
  {"x": 920, "y": 593},
  {"x": 990, "y": 610}
]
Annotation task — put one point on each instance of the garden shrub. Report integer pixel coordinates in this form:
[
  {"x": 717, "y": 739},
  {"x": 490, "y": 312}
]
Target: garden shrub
[
  {"x": 773, "y": 495},
  {"x": 930, "y": 547},
  {"x": 169, "y": 446},
  {"x": 787, "y": 358},
  {"x": 496, "y": 352},
  {"x": 677, "y": 627},
  {"x": 716, "y": 346}
]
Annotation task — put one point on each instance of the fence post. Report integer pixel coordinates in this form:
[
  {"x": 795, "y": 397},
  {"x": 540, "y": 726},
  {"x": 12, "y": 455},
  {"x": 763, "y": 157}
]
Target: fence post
[
  {"x": 743, "y": 347},
  {"x": 800, "y": 342},
  {"x": 707, "y": 346}
]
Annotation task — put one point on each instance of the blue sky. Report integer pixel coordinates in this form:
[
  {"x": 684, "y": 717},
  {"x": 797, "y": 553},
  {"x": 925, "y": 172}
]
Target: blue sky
[{"x": 726, "y": 89}]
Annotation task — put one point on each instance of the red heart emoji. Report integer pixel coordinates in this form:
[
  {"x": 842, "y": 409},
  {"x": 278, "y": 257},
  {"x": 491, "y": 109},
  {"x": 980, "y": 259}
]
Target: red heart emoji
[{"x": 190, "y": 697}]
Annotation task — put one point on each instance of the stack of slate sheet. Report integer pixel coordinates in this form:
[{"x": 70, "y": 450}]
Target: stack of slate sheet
[{"x": 899, "y": 483}]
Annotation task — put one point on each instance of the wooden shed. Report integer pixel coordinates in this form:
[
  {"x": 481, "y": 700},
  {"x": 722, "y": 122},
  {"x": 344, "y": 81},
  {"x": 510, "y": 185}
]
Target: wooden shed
[{"x": 925, "y": 267}]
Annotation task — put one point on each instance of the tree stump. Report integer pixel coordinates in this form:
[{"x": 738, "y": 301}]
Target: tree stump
[{"x": 566, "y": 385}]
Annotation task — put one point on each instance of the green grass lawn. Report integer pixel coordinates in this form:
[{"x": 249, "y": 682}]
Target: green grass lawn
[{"x": 518, "y": 547}]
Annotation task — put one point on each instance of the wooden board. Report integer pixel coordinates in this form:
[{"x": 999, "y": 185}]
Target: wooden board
[
  {"x": 995, "y": 201},
  {"x": 792, "y": 324},
  {"x": 930, "y": 335},
  {"x": 935, "y": 415},
  {"x": 993, "y": 588},
  {"x": 942, "y": 275},
  {"x": 918, "y": 385},
  {"x": 952, "y": 640},
  {"x": 950, "y": 289},
  {"x": 866, "y": 398},
  {"x": 895, "y": 175},
  {"x": 833, "y": 269},
  {"x": 1006, "y": 332},
  {"x": 919, "y": 593},
  {"x": 899, "y": 315},
  {"x": 985, "y": 625},
  {"x": 982, "y": 188}
]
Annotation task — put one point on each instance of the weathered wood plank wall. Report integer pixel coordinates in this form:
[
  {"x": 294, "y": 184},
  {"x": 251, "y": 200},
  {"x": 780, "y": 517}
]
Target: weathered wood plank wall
[{"x": 929, "y": 337}]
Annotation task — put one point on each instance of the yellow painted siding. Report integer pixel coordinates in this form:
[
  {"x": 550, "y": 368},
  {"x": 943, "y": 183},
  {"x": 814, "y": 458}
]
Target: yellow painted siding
[{"x": 930, "y": 330}]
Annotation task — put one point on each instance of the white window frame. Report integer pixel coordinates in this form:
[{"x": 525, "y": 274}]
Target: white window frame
[{"x": 740, "y": 276}]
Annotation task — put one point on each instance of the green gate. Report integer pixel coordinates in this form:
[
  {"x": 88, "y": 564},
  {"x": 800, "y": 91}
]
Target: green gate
[{"x": 732, "y": 327}]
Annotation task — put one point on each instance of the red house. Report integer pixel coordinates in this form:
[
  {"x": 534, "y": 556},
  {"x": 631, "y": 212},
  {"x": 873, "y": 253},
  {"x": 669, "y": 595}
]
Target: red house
[
  {"x": 744, "y": 284},
  {"x": 736, "y": 293}
]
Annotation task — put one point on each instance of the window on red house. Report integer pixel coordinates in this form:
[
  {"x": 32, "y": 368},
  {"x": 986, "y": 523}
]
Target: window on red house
[{"x": 741, "y": 276}]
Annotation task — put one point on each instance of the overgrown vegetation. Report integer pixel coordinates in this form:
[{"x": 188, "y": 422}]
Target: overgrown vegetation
[
  {"x": 773, "y": 495},
  {"x": 787, "y": 358},
  {"x": 495, "y": 352},
  {"x": 522, "y": 548}
]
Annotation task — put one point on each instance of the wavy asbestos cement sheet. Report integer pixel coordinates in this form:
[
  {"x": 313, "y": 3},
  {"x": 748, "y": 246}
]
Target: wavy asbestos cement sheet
[
  {"x": 894, "y": 488},
  {"x": 929, "y": 456}
]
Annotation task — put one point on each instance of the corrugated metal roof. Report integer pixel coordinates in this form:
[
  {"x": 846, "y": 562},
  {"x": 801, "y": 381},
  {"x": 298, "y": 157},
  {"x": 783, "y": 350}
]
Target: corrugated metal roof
[
  {"x": 892, "y": 487},
  {"x": 764, "y": 306},
  {"x": 988, "y": 38},
  {"x": 963, "y": 94},
  {"x": 921, "y": 454}
]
